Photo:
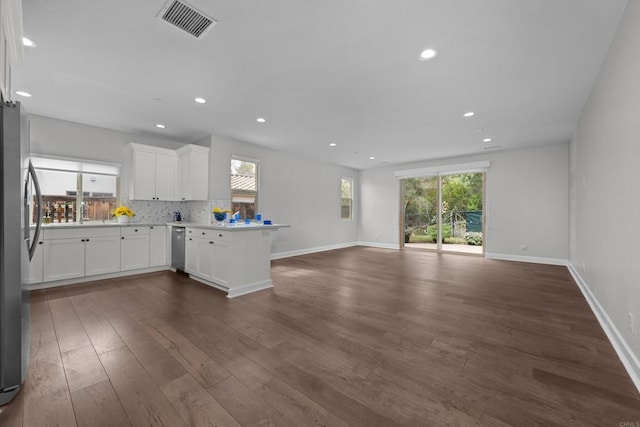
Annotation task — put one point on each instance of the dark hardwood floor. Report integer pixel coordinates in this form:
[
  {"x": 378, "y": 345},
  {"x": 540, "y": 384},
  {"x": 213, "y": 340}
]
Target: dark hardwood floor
[{"x": 358, "y": 337}]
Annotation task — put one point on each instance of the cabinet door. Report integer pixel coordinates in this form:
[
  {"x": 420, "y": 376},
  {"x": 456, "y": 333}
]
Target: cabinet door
[
  {"x": 144, "y": 176},
  {"x": 191, "y": 255},
  {"x": 204, "y": 249},
  {"x": 102, "y": 255},
  {"x": 165, "y": 177},
  {"x": 221, "y": 260},
  {"x": 134, "y": 252},
  {"x": 35, "y": 272},
  {"x": 182, "y": 192},
  {"x": 199, "y": 177},
  {"x": 63, "y": 259},
  {"x": 157, "y": 246}
]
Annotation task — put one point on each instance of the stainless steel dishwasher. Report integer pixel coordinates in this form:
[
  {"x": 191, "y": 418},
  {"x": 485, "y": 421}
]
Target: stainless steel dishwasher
[{"x": 177, "y": 248}]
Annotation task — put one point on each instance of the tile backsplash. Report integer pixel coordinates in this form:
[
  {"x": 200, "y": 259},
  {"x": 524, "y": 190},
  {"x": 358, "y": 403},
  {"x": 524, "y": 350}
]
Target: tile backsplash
[{"x": 192, "y": 211}]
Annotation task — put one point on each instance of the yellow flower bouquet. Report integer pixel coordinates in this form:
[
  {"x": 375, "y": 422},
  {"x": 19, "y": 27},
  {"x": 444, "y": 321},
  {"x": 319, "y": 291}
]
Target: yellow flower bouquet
[{"x": 123, "y": 210}]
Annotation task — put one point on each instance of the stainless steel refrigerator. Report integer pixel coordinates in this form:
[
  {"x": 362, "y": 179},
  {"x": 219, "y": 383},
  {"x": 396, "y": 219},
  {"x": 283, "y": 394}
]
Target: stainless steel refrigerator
[{"x": 16, "y": 249}]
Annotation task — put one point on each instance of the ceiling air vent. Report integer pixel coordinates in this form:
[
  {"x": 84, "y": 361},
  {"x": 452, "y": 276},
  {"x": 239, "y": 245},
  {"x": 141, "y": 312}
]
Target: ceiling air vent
[{"x": 186, "y": 17}]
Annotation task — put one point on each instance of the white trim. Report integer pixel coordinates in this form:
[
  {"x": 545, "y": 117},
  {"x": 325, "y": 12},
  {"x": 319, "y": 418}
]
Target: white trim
[
  {"x": 237, "y": 291},
  {"x": 71, "y": 164},
  {"x": 279, "y": 255},
  {"x": 531, "y": 259},
  {"x": 626, "y": 355},
  {"x": 379, "y": 245},
  {"x": 65, "y": 282},
  {"x": 472, "y": 167}
]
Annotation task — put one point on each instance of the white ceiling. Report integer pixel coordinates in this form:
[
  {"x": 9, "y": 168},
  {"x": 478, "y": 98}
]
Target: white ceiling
[{"x": 343, "y": 71}]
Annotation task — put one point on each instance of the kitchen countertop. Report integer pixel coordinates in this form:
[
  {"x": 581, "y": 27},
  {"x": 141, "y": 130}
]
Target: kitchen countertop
[
  {"x": 230, "y": 227},
  {"x": 226, "y": 226},
  {"x": 98, "y": 224}
]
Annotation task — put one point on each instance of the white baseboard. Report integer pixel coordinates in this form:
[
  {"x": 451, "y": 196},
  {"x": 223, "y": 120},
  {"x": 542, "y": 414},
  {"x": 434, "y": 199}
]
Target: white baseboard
[
  {"x": 626, "y": 355},
  {"x": 279, "y": 255},
  {"x": 379, "y": 245},
  {"x": 531, "y": 259},
  {"x": 84, "y": 279}
]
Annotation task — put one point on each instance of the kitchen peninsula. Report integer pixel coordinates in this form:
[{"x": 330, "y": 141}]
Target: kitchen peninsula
[{"x": 235, "y": 258}]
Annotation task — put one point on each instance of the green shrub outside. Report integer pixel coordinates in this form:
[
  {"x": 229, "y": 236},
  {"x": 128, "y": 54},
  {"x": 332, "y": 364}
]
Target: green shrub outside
[
  {"x": 432, "y": 231},
  {"x": 473, "y": 238}
]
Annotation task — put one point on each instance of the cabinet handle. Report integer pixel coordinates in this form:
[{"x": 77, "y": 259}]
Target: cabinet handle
[
  {"x": 136, "y": 230},
  {"x": 219, "y": 235},
  {"x": 151, "y": 227},
  {"x": 82, "y": 240},
  {"x": 211, "y": 243},
  {"x": 122, "y": 237},
  {"x": 39, "y": 243},
  {"x": 190, "y": 238},
  {"x": 203, "y": 233},
  {"x": 87, "y": 240}
]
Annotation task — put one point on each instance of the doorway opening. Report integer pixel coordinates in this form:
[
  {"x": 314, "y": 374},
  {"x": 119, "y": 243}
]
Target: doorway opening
[{"x": 444, "y": 213}]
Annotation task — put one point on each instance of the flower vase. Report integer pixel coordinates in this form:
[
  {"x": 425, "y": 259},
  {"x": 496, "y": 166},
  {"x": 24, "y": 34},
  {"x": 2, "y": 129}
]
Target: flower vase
[{"x": 123, "y": 219}]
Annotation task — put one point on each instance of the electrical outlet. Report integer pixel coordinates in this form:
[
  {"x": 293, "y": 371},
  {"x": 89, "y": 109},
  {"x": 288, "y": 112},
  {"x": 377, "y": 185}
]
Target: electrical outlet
[
  {"x": 631, "y": 326},
  {"x": 523, "y": 248}
]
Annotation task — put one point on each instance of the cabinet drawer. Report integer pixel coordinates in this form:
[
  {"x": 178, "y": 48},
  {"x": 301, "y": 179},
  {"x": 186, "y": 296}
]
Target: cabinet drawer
[
  {"x": 221, "y": 236},
  {"x": 81, "y": 232},
  {"x": 134, "y": 231},
  {"x": 203, "y": 233}
]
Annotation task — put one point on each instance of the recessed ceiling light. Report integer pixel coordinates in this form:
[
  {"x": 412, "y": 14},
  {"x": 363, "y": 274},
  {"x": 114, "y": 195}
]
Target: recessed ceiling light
[
  {"x": 260, "y": 120},
  {"x": 480, "y": 130},
  {"x": 22, "y": 93},
  {"x": 200, "y": 100},
  {"x": 160, "y": 126},
  {"x": 469, "y": 114},
  {"x": 486, "y": 140},
  {"x": 427, "y": 54},
  {"x": 333, "y": 144},
  {"x": 493, "y": 147},
  {"x": 372, "y": 158},
  {"x": 28, "y": 42}
]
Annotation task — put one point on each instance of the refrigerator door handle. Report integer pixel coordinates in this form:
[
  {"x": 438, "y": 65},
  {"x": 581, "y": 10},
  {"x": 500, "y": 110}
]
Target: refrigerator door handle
[{"x": 33, "y": 244}]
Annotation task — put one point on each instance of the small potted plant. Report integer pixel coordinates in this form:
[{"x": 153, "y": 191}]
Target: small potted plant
[{"x": 123, "y": 214}]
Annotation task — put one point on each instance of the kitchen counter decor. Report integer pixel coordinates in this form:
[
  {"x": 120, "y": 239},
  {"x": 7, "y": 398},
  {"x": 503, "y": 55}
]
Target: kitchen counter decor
[{"x": 123, "y": 214}]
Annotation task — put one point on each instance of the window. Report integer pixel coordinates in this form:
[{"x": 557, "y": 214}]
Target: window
[
  {"x": 244, "y": 187},
  {"x": 346, "y": 198},
  {"x": 67, "y": 184}
]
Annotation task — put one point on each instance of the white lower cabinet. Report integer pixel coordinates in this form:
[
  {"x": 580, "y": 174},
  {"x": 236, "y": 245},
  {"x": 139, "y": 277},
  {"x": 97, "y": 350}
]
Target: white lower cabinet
[
  {"x": 70, "y": 254},
  {"x": 101, "y": 255},
  {"x": 199, "y": 253},
  {"x": 157, "y": 245},
  {"x": 63, "y": 259},
  {"x": 221, "y": 262},
  {"x": 134, "y": 248},
  {"x": 237, "y": 262}
]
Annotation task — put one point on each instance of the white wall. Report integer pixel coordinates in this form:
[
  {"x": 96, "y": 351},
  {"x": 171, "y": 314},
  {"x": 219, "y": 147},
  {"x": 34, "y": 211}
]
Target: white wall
[
  {"x": 293, "y": 190},
  {"x": 69, "y": 139},
  {"x": 605, "y": 194},
  {"x": 526, "y": 203}
]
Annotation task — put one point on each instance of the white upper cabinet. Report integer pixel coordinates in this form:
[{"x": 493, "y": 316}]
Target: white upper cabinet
[
  {"x": 152, "y": 173},
  {"x": 193, "y": 172}
]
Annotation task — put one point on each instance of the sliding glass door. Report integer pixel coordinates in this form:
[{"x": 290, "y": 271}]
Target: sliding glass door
[{"x": 444, "y": 212}]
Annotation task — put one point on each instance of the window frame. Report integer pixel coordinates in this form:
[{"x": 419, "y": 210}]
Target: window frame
[
  {"x": 80, "y": 167},
  {"x": 352, "y": 182},
  {"x": 256, "y": 194}
]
